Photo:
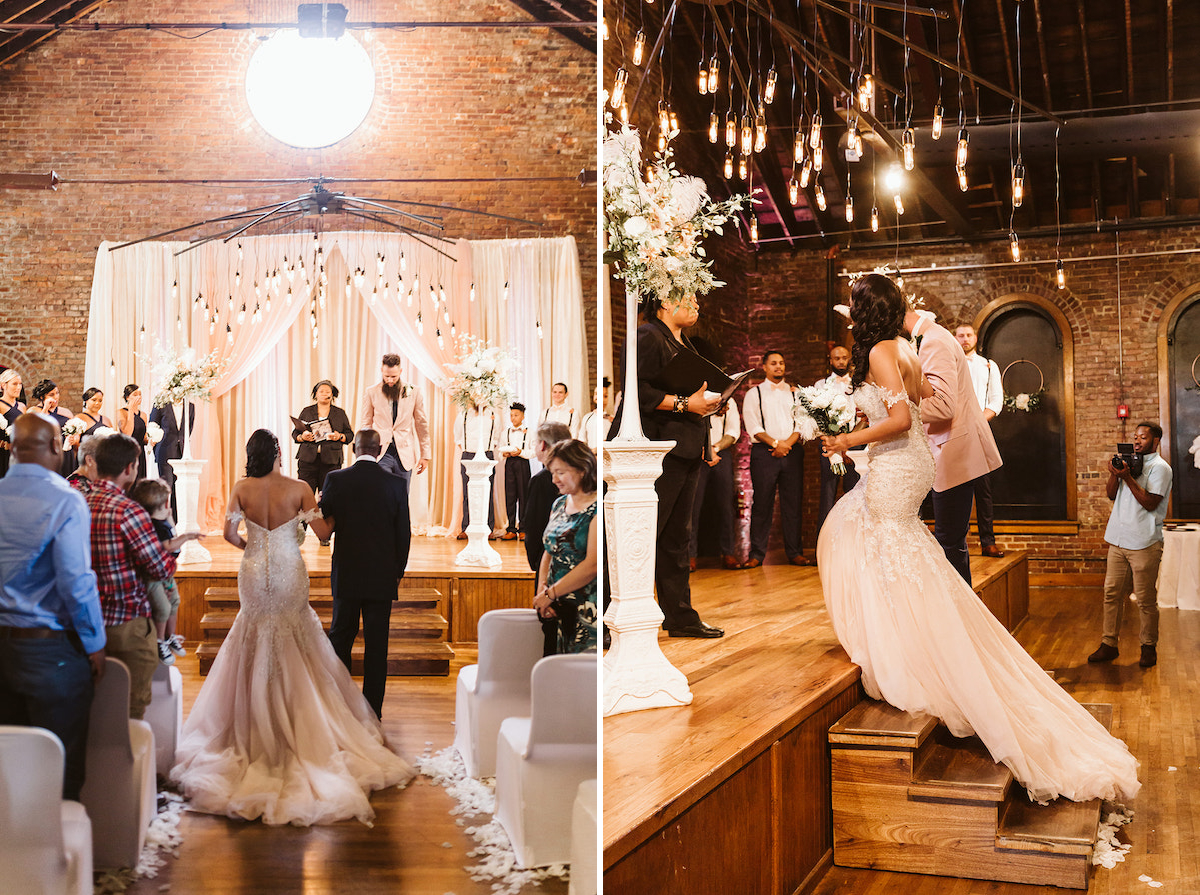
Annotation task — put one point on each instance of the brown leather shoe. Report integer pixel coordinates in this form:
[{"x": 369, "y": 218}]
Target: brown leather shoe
[
  {"x": 802, "y": 561},
  {"x": 732, "y": 562},
  {"x": 692, "y": 564},
  {"x": 462, "y": 536},
  {"x": 752, "y": 563},
  {"x": 509, "y": 536},
  {"x": 992, "y": 550}
]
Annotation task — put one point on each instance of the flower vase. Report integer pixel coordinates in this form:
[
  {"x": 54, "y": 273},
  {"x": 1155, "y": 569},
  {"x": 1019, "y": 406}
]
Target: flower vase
[
  {"x": 478, "y": 551},
  {"x": 636, "y": 673}
]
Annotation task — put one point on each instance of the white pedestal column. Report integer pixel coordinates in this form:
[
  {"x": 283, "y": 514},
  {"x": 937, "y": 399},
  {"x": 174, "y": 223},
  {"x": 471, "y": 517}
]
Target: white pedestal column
[
  {"x": 636, "y": 673},
  {"x": 187, "y": 498},
  {"x": 478, "y": 551}
]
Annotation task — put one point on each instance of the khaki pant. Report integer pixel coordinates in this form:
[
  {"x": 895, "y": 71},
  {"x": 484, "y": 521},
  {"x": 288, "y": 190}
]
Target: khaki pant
[
  {"x": 135, "y": 643},
  {"x": 1132, "y": 572}
]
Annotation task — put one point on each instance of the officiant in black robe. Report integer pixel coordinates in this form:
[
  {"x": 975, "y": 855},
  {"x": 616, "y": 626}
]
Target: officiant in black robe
[{"x": 321, "y": 446}]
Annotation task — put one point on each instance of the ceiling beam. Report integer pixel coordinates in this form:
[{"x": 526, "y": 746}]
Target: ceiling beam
[
  {"x": 1002, "y": 21},
  {"x": 13, "y": 45},
  {"x": 1048, "y": 96}
]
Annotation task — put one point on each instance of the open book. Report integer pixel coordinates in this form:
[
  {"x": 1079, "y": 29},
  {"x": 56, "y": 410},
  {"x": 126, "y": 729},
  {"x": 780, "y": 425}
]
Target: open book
[
  {"x": 687, "y": 371},
  {"x": 321, "y": 429}
]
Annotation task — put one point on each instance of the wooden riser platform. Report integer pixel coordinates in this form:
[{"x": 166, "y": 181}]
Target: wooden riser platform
[{"x": 910, "y": 797}]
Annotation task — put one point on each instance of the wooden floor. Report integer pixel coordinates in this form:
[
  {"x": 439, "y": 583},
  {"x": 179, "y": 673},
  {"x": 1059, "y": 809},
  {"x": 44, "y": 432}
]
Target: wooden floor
[
  {"x": 1156, "y": 711},
  {"x": 414, "y": 847}
]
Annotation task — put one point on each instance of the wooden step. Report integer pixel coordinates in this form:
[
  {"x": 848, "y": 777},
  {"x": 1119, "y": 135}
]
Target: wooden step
[
  {"x": 409, "y": 597},
  {"x": 1062, "y": 827},
  {"x": 407, "y": 659},
  {"x": 960, "y": 769},
  {"x": 406, "y": 623}
]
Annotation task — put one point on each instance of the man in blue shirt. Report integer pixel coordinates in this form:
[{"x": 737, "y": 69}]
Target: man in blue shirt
[
  {"x": 1135, "y": 544},
  {"x": 51, "y": 630}
]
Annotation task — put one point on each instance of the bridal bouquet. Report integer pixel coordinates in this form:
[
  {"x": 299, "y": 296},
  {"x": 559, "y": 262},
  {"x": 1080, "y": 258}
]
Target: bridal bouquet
[
  {"x": 481, "y": 376},
  {"x": 154, "y": 433},
  {"x": 824, "y": 409},
  {"x": 655, "y": 223},
  {"x": 70, "y": 429},
  {"x": 184, "y": 378}
]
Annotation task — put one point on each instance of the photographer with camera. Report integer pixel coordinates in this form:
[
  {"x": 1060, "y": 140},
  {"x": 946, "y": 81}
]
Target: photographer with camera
[{"x": 1138, "y": 483}]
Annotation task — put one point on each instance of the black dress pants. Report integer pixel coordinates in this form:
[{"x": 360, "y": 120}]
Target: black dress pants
[
  {"x": 516, "y": 481},
  {"x": 951, "y": 521},
  {"x": 376, "y": 620},
  {"x": 676, "y": 489}
]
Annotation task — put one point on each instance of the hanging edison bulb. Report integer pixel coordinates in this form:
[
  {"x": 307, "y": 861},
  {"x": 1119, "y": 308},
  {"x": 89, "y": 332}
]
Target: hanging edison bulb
[
  {"x": 769, "y": 89},
  {"x": 289, "y": 269},
  {"x": 754, "y": 229},
  {"x": 604, "y": 27},
  {"x": 1018, "y": 185},
  {"x": 702, "y": 79},
  {"x": 1060, "y": 274},
  {"x": 760, "y": 134},
  {"x": 212, "y": 326},
  {"x": 1014, "y": 246},
  {"x": 730, "y": 129},
  {"x": 504, "y": 292},
  {"x": 849, "y": 209},
  {"x": 639, "y": 47},
  {"x": 714, "y": 127},
  {"x": 742, "y": 169},
  {"x": 256, "y": 317},
  {"x": 960, "y": 155},
  {"x": 349, "y": 288},
  {"x": 866, "y": 91},
  {"x": 798, "y": 147},
  {"x": 674, "y": 121},
  {"x": 662, "y": 145},
  {"x": 241, "y": 317},
  {"x": 714, "y": 73},
  {"x": 794, "y": 190},
  {"x": 440, "y": 341},
  {"x": 729, "y": 164},
  {"x": 818, "y": 157},
  {"x": 820, "y": 194},
  {"x": 403, "y": 262},
  {"x": 899, "y": 204},
  {"x": 857, "y": 145},
  {"x": 618, "y": 91},
  {"x": 805, "y": 173},
  {"x": 229, "y": 333},
  {"x": 624, "y": 113},
  {"x": 747, "y": 134},
  {"x": 814, "y": 132},
  {"x": 472, "y": 292},
  {"x": 420, "y": 325},
  {"x": 909, "y": 141},
  {"x": 664, "y": 117},
  {"x": 237, "y": 279},
  {"x": 540, "y": 334},
  {"x": 321, "y": 294},
  {"x": 288, "y": 297},
  {"x": 938, "y": 111},
  {"x": 360, "y": 276},
  {"x": 962, "y": 178},
  {"x": 874, "y": 219}
]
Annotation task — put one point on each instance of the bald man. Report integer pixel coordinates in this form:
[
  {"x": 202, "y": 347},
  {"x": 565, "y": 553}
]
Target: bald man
[{"x": 52, "y": 634}]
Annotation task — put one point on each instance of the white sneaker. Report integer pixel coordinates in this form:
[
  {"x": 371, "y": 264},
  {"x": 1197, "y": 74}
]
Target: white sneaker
[
  {"x": 164, "y": 653},
  {"x": 175, "y": 644}
]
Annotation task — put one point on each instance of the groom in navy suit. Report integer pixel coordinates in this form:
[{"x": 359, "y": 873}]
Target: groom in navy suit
[
  {"x": 171, "y": 445},
  {"x": 368, "y": 508}
]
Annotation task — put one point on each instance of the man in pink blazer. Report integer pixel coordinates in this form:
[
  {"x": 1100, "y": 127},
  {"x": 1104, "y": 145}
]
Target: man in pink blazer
[
  {"x": 397, "y": 412},
  {"x": 959, "y": 436}
]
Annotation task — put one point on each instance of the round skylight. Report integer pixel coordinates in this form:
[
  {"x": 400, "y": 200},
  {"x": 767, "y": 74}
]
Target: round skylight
[{"x": 310, "y": 92}]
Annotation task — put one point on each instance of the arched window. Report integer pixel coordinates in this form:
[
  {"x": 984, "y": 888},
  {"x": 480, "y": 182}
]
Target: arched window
[
  {"x": 1179, "y": 341},
  {"x": 1030, "y": 341}
]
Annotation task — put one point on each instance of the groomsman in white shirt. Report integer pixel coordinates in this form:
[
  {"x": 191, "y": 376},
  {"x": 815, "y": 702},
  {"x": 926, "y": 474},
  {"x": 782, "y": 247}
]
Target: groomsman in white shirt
[
  {"x": 469, "y": 427},
  {"x": 559, "y": 411},
  {"x": 716, "y": 476},
  {"x": 776, "y": 462},
  {"x": 985, "y": 377},
  {"x": 839, "y": 377},
  {"x": 517, "y": 450},
  {"x": 595, "y": 425}
]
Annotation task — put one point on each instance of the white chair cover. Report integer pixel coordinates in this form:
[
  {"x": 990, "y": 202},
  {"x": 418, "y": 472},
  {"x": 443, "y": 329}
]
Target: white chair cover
[
  {"x": 119, "y": 791},
  {"x": 165, "y": 715},
  {"x": 510, "y": 644},
  {"x": 45, "y": 842},
  {"x": 584, "y": 842},
  {"x": 542, "y": 759}
]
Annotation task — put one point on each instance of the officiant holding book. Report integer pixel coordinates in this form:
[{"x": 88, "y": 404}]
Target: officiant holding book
[
  {"x": 673, "y": 408},
  {"x": 322, "y": 430}
]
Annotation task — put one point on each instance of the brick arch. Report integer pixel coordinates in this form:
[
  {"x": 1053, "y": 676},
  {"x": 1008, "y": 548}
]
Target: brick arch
[
  {"x": 1166, "y": 310},
  {"x": 19, "y": 361}
]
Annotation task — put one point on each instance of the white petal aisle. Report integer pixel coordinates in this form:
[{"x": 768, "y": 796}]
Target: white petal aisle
[
  {"x": 162, "y": 838},
  {"x": 478, "y": 797}
]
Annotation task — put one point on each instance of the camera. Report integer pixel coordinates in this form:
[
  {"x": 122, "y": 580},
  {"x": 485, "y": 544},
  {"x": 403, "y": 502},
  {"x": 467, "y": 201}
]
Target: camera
[{"x": 1127, "y": 458}]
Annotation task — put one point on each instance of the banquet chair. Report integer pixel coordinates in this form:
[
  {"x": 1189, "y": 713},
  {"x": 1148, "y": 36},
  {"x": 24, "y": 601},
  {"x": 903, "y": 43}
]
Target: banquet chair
[
  {"x": 45, "y": 841},
  {"x": 542, "y": 759},
  {"x": 165, "y": 715},
  {"x": 583, "y": 841},
  {"x": 119, "y": 790},
  {"x": 510, "y": 644}
]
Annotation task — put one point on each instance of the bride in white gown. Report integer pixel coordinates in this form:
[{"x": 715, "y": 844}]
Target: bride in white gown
[
  {"x": 279, "y": 730},
  {"x": 924, "y": 640}
]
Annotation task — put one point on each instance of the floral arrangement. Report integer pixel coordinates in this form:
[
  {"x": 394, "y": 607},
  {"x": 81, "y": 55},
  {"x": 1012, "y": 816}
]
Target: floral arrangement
[
  {"x": 1027, "y": 402},
  {"x": 72, "y": 428},
  {"x": 183, "y": 378},
  {"x": 655, "y": 223},
  {"x": 824, "y": 409},
  {"x": 481, "y": 376},
  {"x": 154, "y": 433}
]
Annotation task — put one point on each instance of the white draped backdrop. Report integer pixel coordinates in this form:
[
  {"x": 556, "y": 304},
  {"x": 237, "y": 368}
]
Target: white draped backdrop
[{"x": 273, "y": 360}]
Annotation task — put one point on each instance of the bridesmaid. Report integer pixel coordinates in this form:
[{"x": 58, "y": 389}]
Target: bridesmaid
[
  {"x": 10, "y": 408},
  {"x": 93, "y": 401},
  {"x": 45, "y": 399},
  {"x": 132, "y": 422}
]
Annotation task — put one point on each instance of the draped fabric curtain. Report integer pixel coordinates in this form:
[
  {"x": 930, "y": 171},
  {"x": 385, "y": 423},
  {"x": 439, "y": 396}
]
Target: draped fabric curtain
[{"x": 285, "y": 311}]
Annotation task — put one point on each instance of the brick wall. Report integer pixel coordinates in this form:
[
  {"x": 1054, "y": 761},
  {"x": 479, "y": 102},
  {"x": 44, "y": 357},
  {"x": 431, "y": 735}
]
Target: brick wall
[{"x": 144, "y": 105}]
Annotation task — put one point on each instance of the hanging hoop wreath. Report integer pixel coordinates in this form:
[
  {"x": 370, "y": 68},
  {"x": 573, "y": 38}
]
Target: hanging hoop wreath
[
  {"x": 1026, "y": 402},
  {"x": 1196, "y": 387}
]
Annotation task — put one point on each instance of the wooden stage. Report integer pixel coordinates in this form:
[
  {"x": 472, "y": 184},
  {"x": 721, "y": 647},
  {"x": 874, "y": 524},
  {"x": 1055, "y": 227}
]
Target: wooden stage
[
  {"x": 732, "y": 793},
  {"x": 466, "y": 592}
]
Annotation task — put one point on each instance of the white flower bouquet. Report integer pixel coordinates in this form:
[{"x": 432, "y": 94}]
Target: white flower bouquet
[
  {"x": 154, "y": 433},
  {"x": 481, "y": 376},
  {"x": 184, "y": 378},
  {"x": 655, "y": 223},
  {"x": 824, "y": 409},
  {"x": 70, "y": 429}
]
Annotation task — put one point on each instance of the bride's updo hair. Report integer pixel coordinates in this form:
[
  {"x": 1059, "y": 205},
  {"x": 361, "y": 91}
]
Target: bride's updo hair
[
  {"x": 261, "y": 450},
  {"x": 877, "y": 311}
]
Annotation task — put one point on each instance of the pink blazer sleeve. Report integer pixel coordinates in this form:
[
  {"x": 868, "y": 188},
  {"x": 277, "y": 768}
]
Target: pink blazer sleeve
[{"x": 941, "y": 369}]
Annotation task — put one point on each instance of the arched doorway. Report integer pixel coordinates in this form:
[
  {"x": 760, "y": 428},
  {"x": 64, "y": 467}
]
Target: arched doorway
[{"x": 1183, "y": 370}]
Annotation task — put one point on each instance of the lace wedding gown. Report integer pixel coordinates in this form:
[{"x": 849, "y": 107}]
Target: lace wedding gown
[
  {"x": 926, "y": 642},
  {"x": 279, "y": 730}
]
